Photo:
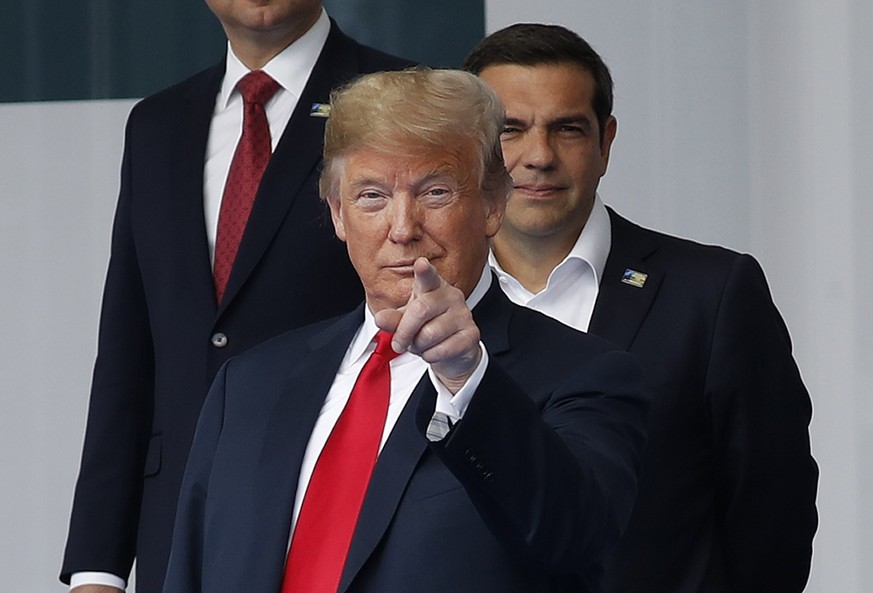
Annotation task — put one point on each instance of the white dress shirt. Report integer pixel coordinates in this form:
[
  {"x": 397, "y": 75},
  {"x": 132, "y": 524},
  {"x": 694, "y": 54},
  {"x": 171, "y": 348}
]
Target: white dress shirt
[
  {"x": 291, "y": 69},
  {"x": 573, "y": 285},
  {"x": 406, "y": 371}
]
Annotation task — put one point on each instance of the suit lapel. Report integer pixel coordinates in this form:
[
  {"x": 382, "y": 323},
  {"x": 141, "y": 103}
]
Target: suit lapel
[
  {"x": 621, "y": 307},
  {"x": 294, "y": 161},
  {"x": 183, "y": 208},
  {"x": 493, "y": 315},
  {"x": 406, "y": 445},
  {"x": 287, "y": 434}
]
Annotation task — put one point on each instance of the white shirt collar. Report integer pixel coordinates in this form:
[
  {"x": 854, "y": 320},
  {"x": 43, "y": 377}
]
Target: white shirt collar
[
  {"x": 592, "y": 246},
  {"x": 290, "y": 67},
  {"x": 594, "y": 241}
]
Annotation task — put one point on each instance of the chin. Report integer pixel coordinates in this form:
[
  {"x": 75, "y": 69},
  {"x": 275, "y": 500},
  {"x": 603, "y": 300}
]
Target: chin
[{"x": 393, "y": 299}]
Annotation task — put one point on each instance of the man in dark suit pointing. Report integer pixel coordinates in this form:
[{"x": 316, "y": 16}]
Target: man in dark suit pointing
[
  {"x": 727, "y": 495},
  {"x": 219, "y": 242},
  {"x": 494, "y": 451}
]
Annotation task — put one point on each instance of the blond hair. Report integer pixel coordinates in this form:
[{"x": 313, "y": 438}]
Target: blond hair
[{"x": 409, "y": 111}]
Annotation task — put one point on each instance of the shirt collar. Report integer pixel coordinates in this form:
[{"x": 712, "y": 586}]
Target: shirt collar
[
  {"x": 591, "y": 247},
  {"x": 363, "y": 340},
  {"x": 290, "y": 67},
  {"x": 594, "y": 241}
]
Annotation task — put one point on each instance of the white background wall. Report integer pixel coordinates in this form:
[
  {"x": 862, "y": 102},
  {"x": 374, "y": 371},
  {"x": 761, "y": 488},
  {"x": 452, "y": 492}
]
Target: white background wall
[
  {"x": 750, "y": 124},
  {"x": 742, "y": 123},
  {"x": 59, "y": 166}
]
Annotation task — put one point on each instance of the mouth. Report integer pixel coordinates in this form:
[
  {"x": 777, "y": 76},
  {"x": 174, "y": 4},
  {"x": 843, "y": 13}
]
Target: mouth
[
  {"x": 404, "y": 266},
  {"x": 538, "y": 190}
]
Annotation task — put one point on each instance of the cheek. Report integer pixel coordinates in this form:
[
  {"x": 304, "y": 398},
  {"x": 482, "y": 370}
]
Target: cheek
[
  {"x": 364, "y": 241},
  {"x": 511, "y": 155},
  {"x": 361, "y": 257}
]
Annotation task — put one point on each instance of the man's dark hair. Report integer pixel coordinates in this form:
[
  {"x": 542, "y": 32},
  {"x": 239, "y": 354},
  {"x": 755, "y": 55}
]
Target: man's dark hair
[{"x": 529, "y": 44}]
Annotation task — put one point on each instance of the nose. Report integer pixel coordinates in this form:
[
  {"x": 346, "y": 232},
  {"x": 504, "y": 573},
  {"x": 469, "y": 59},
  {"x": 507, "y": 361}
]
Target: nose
[
  {"x": 538, "y": 152},
  {"x": 403, "y": 220}
]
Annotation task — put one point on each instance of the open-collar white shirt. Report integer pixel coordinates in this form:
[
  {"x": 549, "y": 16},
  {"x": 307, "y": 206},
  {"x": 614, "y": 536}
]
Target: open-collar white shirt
[{"x": 573, "y": 285}]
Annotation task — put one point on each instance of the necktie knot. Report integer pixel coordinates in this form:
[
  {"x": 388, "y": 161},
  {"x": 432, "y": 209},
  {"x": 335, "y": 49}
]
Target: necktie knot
[
  {"x": 257, "y": 87},
  {"x": 383, "y": 345}
]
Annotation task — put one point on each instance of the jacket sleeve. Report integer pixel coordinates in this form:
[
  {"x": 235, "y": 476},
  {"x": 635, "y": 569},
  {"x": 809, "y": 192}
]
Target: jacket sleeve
[
  {"x": 766, "y": 477},
  {"x": 105, "y": 512},
  {"x": 555, "y": 481}
]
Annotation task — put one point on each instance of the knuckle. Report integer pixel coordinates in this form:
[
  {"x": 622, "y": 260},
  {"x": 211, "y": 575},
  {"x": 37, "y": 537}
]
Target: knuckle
[
  {"x": 418, "y": 308},
  {"x": 428, "y": 337}
]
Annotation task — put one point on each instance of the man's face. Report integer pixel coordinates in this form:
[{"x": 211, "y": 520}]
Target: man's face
[
  {"x": 274, "y": 19},
  {"x": 392, "y": 209},
  {"x": 551, "y": 145}
]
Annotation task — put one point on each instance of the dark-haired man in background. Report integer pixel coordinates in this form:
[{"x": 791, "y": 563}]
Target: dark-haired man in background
[
  {"x": 220, "y": 169},
  {"x": 727, "y": 496}
]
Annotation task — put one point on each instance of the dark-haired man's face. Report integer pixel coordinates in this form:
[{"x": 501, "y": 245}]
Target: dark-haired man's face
[{"x": 552, "y": 148}]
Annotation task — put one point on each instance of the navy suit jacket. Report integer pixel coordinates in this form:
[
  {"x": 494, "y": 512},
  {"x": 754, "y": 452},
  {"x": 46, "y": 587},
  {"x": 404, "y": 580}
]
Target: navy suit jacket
[
  {"x": 160, "y": 341},
  {"x": 524, "y": 494},
  {"x": 727, "y": 495}
]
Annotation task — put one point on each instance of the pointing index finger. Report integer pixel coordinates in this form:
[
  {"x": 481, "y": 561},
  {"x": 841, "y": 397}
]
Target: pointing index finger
[{"x": 426, "y": 277}]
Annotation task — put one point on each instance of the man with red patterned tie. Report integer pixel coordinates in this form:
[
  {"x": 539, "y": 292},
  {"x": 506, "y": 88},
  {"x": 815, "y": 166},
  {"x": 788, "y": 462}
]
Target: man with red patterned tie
[
  {"x": 438, "y": 438},
  {"x": 219, "y": 242}
]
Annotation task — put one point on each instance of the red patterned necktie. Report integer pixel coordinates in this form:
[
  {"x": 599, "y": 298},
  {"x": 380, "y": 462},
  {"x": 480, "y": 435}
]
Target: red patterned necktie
[
  {"x": 339, "y": 481},
  {"x": 248, "y": 164}
]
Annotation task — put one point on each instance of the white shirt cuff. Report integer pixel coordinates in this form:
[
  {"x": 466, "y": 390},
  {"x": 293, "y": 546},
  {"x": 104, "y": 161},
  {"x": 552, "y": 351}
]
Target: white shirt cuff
[
  {"x": 77, "y": 579},
  {"x": 455, "y": 405}
]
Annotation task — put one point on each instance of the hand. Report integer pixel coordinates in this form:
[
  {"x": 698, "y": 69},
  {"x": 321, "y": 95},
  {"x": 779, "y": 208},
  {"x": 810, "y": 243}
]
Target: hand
[{"x": 436, "y": 325}]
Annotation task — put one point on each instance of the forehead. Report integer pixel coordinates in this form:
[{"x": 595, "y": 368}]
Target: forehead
[
  {"x": 407, "y": 163},
  {"x": 545, "y": 89}
]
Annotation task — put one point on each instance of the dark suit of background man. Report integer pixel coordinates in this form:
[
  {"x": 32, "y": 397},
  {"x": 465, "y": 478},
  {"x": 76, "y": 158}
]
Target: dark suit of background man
[
  {"x": 162, "y": 334},
  {"x": 727, "y": 495},
  {"x": 508, "y": 462}
]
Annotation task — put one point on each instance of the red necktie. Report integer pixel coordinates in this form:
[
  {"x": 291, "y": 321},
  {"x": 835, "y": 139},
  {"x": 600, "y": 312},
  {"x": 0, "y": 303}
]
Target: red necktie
[
  {"x": 248, "y": 164},
  {"x": 339, "y": 481}
]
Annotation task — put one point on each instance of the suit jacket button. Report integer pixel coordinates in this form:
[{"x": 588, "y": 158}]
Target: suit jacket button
[{"x": 219, "y": 340}]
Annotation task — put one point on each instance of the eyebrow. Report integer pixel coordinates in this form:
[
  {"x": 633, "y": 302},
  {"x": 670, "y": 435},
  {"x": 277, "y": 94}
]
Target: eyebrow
[
  {"x": 367, "y": 180},
  {"x": 439, "y": 174},
  {"x": 573, "y": 118}
]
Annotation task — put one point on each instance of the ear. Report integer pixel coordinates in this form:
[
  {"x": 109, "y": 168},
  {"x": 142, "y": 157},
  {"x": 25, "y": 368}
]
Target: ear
[
  {"x": 609, "y": 131},
  {"x": 495, "y": 208},
  {"x": 336, "y": 215}
]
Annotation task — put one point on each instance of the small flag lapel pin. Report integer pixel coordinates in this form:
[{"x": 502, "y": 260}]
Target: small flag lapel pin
[
  {"x": 634, "y": 278},
  {"x": 319, "y": 110}
]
